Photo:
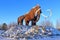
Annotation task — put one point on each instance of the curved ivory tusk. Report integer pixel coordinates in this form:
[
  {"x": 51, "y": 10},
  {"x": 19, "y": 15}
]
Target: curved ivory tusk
[
  {"x": 36, "y": 12},
  {"x": 44, "y": 15},
  {"x": 50, "y": 12}
]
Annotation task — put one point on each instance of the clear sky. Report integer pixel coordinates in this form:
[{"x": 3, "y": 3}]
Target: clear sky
[{"x": 10, "y": 10}]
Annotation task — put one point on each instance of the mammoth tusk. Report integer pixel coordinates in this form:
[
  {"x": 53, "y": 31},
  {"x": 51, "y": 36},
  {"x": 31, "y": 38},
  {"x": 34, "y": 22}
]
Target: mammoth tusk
[
  {"x": 36, "y": 12},
  {"x": 50, "y": 12},
  {"x": 44, "y": 15}
]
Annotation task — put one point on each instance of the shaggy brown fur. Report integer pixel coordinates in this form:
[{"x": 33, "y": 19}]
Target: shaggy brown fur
[{"x": 30, "y": 16}]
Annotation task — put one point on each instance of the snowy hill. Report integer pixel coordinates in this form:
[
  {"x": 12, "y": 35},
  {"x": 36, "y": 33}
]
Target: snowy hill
[{"x": 30, "y": 33}]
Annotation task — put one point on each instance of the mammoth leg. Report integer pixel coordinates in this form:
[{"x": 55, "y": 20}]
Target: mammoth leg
[
  {"x": 21, "y": 23},
  {"x": 20, "y": 20},
  {"x": 18, "y": 23},
  {"x": 27, "y": 23},
  {"x": 33, "y": 23}
]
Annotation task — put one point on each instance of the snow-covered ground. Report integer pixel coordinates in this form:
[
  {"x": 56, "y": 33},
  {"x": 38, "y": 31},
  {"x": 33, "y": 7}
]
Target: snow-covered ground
[{"x": 30, "y": 33}]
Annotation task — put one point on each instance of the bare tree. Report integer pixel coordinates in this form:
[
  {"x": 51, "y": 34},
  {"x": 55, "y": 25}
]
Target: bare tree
[
  {"x": 58, "y": 24},
  {"x": 13, "y": 24},
  {"x": 0, "y": 27},
  {"x": 47, "y": 23}
]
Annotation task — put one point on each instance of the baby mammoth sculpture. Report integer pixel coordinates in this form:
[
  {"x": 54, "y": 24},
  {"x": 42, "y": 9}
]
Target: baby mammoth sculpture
[{"x": 33, "y": 15}]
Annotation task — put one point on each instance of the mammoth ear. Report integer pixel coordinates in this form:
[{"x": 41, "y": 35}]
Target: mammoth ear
[{"x": 36, "y": 12}]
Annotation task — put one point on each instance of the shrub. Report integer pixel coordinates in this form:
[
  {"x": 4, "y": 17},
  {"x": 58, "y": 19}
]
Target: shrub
[{"x": 4, "y": 26}]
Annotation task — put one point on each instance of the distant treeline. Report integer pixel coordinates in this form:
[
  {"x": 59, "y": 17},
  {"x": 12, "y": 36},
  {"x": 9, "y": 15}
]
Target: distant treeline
[{"x": 4, "y": 26}]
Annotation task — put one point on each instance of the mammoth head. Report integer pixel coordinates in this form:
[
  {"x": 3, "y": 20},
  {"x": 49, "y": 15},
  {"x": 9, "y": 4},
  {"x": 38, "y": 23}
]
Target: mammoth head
[{"x": 37, "y": 10}]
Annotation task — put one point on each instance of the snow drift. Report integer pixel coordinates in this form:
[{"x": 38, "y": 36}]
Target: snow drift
[{"x": 30, "y": 33}]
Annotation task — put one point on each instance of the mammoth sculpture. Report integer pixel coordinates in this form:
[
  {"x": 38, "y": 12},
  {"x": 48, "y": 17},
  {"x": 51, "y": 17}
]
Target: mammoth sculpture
[{"x": 33, "y": 15}]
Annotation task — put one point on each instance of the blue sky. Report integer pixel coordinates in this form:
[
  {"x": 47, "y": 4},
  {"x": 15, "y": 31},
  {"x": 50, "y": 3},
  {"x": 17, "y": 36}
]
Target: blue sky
[{"x": 10, "y": 10}]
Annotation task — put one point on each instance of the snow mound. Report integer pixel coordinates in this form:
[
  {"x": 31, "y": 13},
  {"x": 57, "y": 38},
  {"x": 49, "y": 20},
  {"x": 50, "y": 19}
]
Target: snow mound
[{"x": 30, "y": 33}]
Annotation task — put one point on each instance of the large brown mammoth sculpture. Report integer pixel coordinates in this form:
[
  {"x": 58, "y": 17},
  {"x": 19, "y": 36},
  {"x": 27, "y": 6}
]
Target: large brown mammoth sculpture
[{"x": 33, "y": 15}]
